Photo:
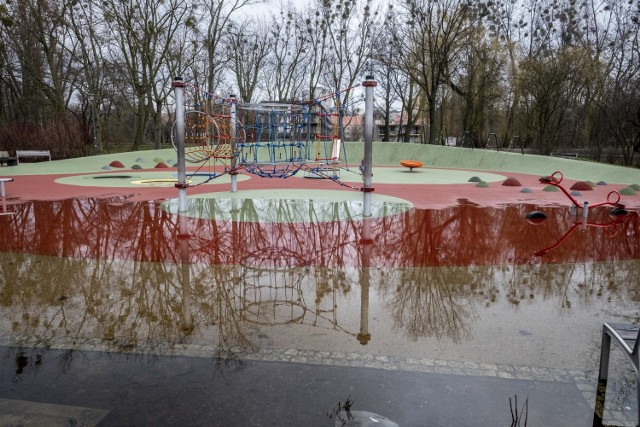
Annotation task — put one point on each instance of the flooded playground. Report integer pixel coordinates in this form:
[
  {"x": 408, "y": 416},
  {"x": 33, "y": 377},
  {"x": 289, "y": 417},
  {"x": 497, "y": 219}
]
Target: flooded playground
[
  {"x": 425, "y": 283},
  {"x": 254, "y": 301}
]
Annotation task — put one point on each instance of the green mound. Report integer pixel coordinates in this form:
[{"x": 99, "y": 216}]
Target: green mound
[{"x": 627, "y": 191}]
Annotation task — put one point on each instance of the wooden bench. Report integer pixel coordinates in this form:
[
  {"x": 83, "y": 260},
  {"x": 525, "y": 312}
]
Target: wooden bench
[
  {"x": 33, "y": 153},
  {"x": 627, "y": 337},
  {"x": 2, "y": 181}
]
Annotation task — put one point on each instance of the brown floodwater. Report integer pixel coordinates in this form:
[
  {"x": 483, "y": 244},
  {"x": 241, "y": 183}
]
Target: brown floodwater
[{"x": 467, "y": 283}]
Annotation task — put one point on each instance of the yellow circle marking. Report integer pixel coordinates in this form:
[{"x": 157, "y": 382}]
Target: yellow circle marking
[{"x": 157, "y": 181}]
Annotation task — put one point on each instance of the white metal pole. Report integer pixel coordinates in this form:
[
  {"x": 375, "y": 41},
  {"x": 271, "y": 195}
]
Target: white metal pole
[
  {"x": 232, "y": 132},
  {"x": 369, "y": 85},
  {"x": 178, "y": 86}
]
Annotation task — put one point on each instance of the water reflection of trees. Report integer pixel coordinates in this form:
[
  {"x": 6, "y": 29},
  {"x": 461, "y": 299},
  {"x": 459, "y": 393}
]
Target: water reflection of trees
[
  {"x": 298, "y": 235},
  {"x": 119, "y": 271},
  {"x": 433, "y": 302}
]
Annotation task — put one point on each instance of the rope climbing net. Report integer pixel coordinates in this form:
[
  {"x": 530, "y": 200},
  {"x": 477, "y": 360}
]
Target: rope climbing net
[{"x": 275, "y": 140}]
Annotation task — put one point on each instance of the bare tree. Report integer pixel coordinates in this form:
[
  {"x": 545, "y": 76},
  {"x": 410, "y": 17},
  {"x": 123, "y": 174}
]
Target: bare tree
[
  {"x": 508, "y": 28},
  {"x": 350, "y": 29},
  {"x": 478, "y": 82},
  {"x": 142, "y": 33},
  {"x": 42, "y": 60},
  {"x": 383, "y": 63},
  {"x": 218, "y": 17},
  {"x": 288, "y": 57},
  {"x": 552, "y": 85},
  {"x": 611, "y": 36},
  {"x": 248, "y": 47},
  {"x": 178, "y": 55},
  {"x": 10, "y": 87},
  {"x": 88, "y": 27},
  {"x": 433, "y": 38},
  {"x": 316, "y": 20}
]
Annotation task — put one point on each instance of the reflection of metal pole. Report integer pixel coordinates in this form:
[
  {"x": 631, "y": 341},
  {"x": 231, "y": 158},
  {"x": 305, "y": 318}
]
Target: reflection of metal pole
[
  {"x": 368, "y": 84},
  {"x": 235, "y": 237},
  {"x": 179, "y": 85},
  {"x": 232, "y": 132},
  {"x": 185, "y": 273},
  {"x": 364, "y": 336}
]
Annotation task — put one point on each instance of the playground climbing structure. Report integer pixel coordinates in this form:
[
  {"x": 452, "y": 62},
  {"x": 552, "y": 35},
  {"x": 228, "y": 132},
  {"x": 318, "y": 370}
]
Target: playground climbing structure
[{"x": 274, "y": 140}]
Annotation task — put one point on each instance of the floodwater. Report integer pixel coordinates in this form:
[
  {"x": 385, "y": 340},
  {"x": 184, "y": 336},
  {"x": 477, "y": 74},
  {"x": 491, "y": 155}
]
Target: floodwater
[
  {"x": 230, "y": 279},
  {"x": 422, "y": 283}
]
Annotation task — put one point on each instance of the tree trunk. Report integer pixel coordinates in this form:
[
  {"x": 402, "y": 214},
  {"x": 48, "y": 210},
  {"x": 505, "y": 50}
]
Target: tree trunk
[
  {"x": 141, "y": 122},
  {"x": 433, "y": 125},
  {"x": 157, "y": 133}
]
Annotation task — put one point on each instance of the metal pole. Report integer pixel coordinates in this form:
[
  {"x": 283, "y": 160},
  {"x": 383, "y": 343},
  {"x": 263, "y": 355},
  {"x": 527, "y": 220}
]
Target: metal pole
[
  {"x": 585, "y": 210},
  {"x": 183, "y": 233},
  {"x": 369, "y": 85},
  {"x": 232, "y": 132},
  {"x": 178, "y": 86}
]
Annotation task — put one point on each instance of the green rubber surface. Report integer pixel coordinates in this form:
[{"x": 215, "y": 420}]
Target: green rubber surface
[{"x": 384, "y": 154}]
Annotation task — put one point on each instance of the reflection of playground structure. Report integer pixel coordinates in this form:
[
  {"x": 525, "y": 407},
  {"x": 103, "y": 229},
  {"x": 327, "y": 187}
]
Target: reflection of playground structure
[
  {"x": 610, "y": 229},
  {"x": 135, "y": 277},
  {"x": 280, "y": 210}
]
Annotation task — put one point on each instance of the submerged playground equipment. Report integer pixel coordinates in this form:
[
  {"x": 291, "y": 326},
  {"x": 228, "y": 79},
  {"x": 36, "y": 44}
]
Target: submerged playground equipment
[{"x": 273, "y": 140}]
